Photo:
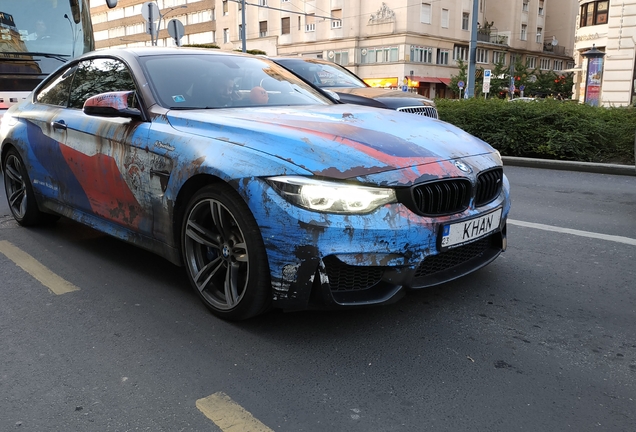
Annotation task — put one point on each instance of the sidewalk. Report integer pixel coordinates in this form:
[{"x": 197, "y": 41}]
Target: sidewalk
[{"x": 570, "y": 165}]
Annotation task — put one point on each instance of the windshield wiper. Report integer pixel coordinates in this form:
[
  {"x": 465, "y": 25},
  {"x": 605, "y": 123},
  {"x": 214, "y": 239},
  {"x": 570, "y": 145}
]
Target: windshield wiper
[{"x": 60, "y": 57}]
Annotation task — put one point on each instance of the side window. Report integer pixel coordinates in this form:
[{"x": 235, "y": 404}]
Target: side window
[
  {"x": 99, "y": 76},
  {"x": 56, "y": 91}
]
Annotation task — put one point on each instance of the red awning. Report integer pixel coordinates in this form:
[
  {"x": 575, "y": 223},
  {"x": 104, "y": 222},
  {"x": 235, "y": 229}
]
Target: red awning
[
  {"x": 424, "y": 79},
  {"x": 432, "y": 80}
]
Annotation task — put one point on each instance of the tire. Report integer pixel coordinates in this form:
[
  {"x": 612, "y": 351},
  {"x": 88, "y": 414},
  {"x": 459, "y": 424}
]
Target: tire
[
  {"x": 224, "y": 254},
  {"x": 20, "y": 196}
]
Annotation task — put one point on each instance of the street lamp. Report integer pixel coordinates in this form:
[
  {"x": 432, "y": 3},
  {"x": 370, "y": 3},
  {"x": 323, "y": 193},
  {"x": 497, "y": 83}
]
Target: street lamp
[
  {"x": 594, "y": 75},
  {"x": 162, "y": 16}
]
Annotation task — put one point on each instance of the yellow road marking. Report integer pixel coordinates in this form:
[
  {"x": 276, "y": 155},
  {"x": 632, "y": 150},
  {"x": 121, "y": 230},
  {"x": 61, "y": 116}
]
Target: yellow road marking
[
  {"x": 228, "y": 415},
  {"x": 30, "y": 265}
]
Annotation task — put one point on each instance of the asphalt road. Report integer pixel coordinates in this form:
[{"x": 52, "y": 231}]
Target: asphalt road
[{"x": 543, "y": 339}]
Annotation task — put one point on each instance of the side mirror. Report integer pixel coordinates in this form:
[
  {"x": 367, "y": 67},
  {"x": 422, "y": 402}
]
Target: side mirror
[
  {"x": 111, "y": 3},
  {"x": 112, "y": 104}
]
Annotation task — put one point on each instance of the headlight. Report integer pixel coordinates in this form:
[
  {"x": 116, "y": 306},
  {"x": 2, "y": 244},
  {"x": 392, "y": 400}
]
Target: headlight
[{"x": 330, "y": 196}]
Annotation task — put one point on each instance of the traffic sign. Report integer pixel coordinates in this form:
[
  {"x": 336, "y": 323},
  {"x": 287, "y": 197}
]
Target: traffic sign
[
  {"x": 150, "y": 11},
  {"x": 460, "y": 84},
  {"x": 176, "y": 30},
  {"x": 522, "y": 88},
  {"x": 487, "y": 74},
  {"x": 486, "y": 87}
]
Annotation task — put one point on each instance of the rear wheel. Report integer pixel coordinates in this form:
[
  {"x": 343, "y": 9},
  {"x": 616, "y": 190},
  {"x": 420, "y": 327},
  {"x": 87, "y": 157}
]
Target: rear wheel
[
  {"x": 224, "y": 254},
  {"x": 20, "y": 194}
]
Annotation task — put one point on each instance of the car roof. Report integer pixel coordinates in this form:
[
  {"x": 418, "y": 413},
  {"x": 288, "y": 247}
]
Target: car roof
[{"x": 152, "y": 51}]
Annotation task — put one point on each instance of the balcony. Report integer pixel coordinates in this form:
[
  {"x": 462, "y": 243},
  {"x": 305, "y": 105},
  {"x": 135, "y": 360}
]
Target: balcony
[
  {"x": 555, "y": 49},
  {"x": 489, "y": 34}
]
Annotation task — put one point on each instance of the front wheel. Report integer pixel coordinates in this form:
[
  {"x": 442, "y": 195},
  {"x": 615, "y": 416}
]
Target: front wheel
[{"x": 224, "y": 254}]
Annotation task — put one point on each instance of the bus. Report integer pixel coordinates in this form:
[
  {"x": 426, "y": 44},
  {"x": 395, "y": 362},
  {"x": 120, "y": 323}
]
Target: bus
[{"x": 36, "y": 37}]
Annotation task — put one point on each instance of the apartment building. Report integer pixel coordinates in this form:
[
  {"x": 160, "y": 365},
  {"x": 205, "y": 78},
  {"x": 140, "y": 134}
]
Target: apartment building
[
  {"x": 383, "y": 42},
  {"x": 125, "y": 25},
  {"x": 608, "y": 26}
]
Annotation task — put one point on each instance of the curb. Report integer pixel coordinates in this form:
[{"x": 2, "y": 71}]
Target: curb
[{"x": 591, "y": 167}]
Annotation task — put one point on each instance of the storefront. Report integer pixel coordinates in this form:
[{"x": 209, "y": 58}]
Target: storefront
[{"x": 429, "y": 87}]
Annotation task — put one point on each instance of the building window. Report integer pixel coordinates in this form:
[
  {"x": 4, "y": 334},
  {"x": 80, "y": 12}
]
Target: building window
[
  {"x": 460, "y": 52},
  {"x": 524, "y": 8},
  {"x": 594, "y": 13},
  {"x": 531, "y": 62},
  {"x": 524, "y": 32},
  {"x": 545, "y": 64},
  {"x": 379, "y": 55},
  {"x": 425, "y": 13},
  {"x": 465, "y": 20},
  {"x": 116, "y": 32},
  {"x": 336, "y": 22},
  {"x": 558, "y": 65},
  {"x": 100, "y": 18},
  {"x": 240, "y": 31},
  {"x": 539, "y": 34},
  {"x": 262, "y": 2},
  {"x": 482, "y": 55},
  {"x": 200, "y": 17},
  {"x": 285, "y": 25},
  {"x": 310, "y": 23},
  {"x": 341, "y": 57},
  {"x": 421, "y": 54},
  {"x": 444, "y": 18},
  {"x": 262, "y": 29},
  {"x": 499, "y": 57},
  {"x": 226, "y": 35},
  {"x": 442, "y": 56},
  {"x": 226, "y": 10},
  {"x": 540, "y": 7}
]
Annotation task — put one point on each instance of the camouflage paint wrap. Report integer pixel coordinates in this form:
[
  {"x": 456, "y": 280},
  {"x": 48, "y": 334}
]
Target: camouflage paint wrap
[{"x": 124, "y": 177}]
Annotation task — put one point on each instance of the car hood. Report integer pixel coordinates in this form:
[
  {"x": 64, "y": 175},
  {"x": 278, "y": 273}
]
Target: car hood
[
  {"x": 338, "y": 141},
  {"x": 378, "y": 93}
]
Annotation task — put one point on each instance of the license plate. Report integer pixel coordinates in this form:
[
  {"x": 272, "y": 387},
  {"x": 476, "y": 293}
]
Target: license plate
[{"x": 469, "y": 230}]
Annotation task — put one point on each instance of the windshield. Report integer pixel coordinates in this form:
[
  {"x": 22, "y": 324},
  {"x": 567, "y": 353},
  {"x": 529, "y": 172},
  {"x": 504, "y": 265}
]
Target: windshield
[
  {"x": 49, "y": 31},
  {"x": 322, "y": 74},
  {"x": 196, "y": 81}
]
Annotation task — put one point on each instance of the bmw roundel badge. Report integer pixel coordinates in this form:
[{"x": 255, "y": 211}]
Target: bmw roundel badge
[{"x": 462, "y": 167}]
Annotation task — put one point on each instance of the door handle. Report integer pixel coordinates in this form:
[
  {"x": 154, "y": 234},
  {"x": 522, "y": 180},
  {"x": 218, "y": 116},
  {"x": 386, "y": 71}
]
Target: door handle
[{"x": 60, "y": 124}]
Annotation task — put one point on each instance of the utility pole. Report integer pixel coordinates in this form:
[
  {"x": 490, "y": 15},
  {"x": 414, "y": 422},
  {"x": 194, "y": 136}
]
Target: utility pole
[
  {"x": 243, "y": 33},
  {"x": 472, "y": 54}
]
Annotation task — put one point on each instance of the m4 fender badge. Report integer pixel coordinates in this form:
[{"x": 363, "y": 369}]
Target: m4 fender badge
[
  {"x": 463, "y": 167},
  {"x": 164, "y": 146}
]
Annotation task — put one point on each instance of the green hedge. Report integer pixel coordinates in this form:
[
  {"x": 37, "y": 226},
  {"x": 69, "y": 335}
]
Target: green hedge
[{"x": 547, "y": 129}]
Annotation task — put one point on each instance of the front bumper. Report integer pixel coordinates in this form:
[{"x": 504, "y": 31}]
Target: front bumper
[{"x": 319, "y": 260}]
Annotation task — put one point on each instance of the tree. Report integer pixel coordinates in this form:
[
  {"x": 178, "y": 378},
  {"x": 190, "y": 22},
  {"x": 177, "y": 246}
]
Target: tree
[
  {"x": 459, "y": 77},
  {"x": 500, "y": 77},
  {"x": 463, "y": 75}
]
